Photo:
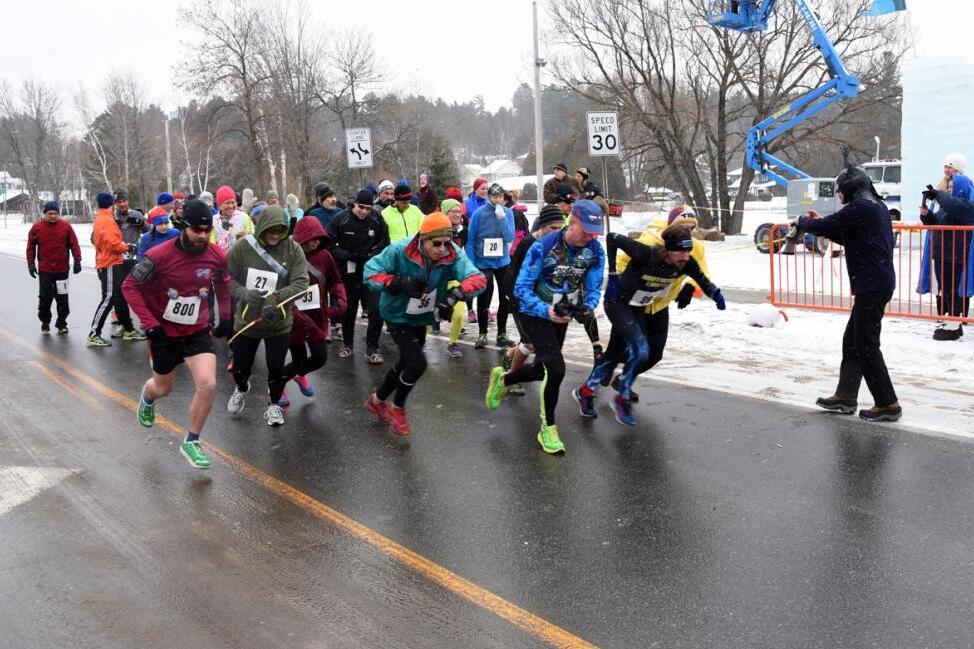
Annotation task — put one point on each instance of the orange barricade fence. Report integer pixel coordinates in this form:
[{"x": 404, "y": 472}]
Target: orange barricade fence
[{"x": 810, "y": 272}]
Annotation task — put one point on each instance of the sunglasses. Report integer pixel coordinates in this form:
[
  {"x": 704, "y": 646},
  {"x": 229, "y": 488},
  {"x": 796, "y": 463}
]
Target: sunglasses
[
  {"x": 439, "y": 243},
  {"x": 200, "y": 229}
]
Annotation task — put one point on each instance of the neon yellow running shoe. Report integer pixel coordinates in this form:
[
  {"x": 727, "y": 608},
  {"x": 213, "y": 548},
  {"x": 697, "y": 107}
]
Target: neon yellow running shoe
[
  {"x": 549, "y": 440},
  {"x": 495, "y": 388}
]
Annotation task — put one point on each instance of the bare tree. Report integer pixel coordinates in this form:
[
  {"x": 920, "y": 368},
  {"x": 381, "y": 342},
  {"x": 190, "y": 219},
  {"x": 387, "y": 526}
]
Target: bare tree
[
  {"x": 92, "y": 139},
  {"x": 354, "y": 71},
  {"x": 31, "y": 127},
  {"x": 691, "y": 91},
  {"x": 229, "y": 60}
]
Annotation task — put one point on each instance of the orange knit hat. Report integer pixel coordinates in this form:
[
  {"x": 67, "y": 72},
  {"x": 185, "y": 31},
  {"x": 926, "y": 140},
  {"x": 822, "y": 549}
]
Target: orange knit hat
[{"x": 436, "y": 224}]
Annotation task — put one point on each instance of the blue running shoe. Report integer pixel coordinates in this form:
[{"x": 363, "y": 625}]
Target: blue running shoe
[{"x": 586, "y": 405}]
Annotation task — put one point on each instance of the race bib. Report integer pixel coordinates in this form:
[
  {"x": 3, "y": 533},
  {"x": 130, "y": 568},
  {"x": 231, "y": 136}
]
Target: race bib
[
  {"x": 565, "y": 297},
  {"x": 350, "y": 266},
  {"x": 183, "y": 310},
  {"x": 644, "y": 298},
  {"x": 494, "y": 247},
  {"x": 261, "y": 280},
  {"x": 311, "y": 299},
  {"x": 62, "y": 286},
  {"x": 421, "y": 305}
]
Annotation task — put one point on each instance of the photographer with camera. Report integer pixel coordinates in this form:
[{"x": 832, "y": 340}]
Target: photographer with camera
[
  {"x": 557, "y": 269},
  {"x": 639, "y": 334}
]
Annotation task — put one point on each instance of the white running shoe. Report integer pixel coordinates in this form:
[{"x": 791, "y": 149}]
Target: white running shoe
[
  {"x": 274, "y": 415},
  {"x": 237, "y": 400}
]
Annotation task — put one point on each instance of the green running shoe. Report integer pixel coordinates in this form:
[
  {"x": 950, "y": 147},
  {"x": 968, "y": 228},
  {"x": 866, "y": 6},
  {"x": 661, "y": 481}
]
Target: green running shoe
[
  {"x": 193, "y": 452},
  {"x": 135, "y": 334},
  {"x": 549, "y": 440},
  {"x": 147, "y": 412},
  {"x": 97, "y": 341},
  {"x": 495, "y": 388}
]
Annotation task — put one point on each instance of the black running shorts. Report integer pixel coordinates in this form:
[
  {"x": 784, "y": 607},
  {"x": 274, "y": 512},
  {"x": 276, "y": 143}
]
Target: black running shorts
[{"x": 167, "y": 353}]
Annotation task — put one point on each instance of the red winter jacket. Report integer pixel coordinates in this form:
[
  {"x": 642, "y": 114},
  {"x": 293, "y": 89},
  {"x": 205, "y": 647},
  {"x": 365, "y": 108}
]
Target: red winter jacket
[
  {"x": 50, "y": 244},
  {"x": 314, "y": 323}
]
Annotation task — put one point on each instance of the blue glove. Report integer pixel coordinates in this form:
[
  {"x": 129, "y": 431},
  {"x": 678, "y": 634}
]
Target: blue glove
[
  {"x": 718, "y": 299},
  {"x": 613, "y": 288}
]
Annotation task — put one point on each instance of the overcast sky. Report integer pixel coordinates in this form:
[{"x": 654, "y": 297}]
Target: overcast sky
[{"x": 455, "y": 49}]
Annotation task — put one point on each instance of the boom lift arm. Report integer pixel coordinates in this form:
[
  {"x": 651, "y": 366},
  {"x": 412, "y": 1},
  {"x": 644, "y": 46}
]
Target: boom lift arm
[{"x": 752, "y": 16}]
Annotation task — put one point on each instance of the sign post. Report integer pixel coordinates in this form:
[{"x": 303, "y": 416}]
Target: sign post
[
  {"x": 603, "y": 141},
  {"x": 358, "y": 150}
]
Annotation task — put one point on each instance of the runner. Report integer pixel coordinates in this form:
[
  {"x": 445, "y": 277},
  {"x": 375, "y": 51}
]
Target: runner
[
  {"x": 639, "y": 335},
  {"x": 160, "y": 231},
  {"x": 681, "y": 290},
  {"x": 266, "y": 270},
  {"x": 513, "y": 358},
  {"x": 109, "y": 257},
  {"x": 167, "y": 291},
  {"x": 402, "y": 218},
  {"x": 412, "y": 275},
  {"x": 356, "y": 235},
  {"x": 51, "y": 242},
  {"x": 326, "y": 207},
  {"x": 325, "y": 300},
  {"x": 454, "y": 211},
  {"x": 489, "y": 239},
  {"x": 557, "y": 269}
]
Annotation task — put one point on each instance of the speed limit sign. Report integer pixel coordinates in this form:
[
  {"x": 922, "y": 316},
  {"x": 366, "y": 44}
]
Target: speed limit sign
[{"x": 603, "y": 134}]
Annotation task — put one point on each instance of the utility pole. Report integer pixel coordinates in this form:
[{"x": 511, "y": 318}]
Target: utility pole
[
  {"x": 538, "y": 141},
  {"x": 168, "y": 157}
]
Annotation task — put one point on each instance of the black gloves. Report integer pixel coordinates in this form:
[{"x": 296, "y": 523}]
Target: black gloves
[
  {"x": 133, "y": 248},
  {"x": 930, "y": 193},
  {"x": 32, "y": 269},
  {"x": 77, "y": 266},
  {"x": 222, "y": 330},
  {"x": 254, "y": 298},
  {"x": 583, "y": 314},
  {"x": 686, "y": 294},
  {"x": 446, "y": 305},
  {"x": 272, "y": 313},
  {"x": 411, "y": 286},
  {"x": 155, "y": 334}
]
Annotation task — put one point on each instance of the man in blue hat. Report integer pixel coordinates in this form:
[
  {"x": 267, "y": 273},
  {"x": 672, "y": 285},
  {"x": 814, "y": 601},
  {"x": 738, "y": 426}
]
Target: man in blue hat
[{"x": 560, "y": 279}]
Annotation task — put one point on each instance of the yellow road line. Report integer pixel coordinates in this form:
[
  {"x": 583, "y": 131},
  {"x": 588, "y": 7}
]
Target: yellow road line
[
  {"x": 71, "y": 389},
  {"x": 519, "y": 617}
]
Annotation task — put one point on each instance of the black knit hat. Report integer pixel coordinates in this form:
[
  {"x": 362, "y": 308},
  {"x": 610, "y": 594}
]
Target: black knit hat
[
  {"x": 121, "y": 195},
  {"x": 549, "y": 214},
  {"x": 323, "y": 191},
  {"x": 197, "y": 213},
  {"x": 403, "y": 192},
  {"x": 364, "y": 197},
  {"x": 565, "y": 193},
  {"x": 562, "y": 166}
]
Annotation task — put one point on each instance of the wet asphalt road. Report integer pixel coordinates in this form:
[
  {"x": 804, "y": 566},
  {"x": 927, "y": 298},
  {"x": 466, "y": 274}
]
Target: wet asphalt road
[{"x": 717, "y": 522}]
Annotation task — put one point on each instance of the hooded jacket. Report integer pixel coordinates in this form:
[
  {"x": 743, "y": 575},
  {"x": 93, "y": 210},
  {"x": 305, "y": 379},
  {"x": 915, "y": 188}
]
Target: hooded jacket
[
  {"x": 405, "y": 258},
  {"x": 947, "y": 248},
  {"x": 152, "y": 238},
  {"x": 107, "y": 238},
  {"x": 402, "y": 224},
  {"x": 484, "y": 225},
  {"x": 312, "y": 324},
  {"x": 291, "y": 279}
]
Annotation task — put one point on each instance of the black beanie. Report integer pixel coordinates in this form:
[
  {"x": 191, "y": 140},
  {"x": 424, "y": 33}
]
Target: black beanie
[
  {"x": 323, "y": 191},
  {"x": 197, "y": 213},
  {"x": 104, "y": 200},
  {"x": 365, "y": 197},
  {"x": 549, "y": 214}
]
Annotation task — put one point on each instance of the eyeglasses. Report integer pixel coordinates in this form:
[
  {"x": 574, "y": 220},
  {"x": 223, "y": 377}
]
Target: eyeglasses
[
  {"x": 439, "y": 243},
  {"x": 200, "y": 229}
]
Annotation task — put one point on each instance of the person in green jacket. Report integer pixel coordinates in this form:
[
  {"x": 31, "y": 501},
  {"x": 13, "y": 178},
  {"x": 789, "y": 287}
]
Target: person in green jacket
[
  {"x": 402, "y": 217},
  {"x": 411, "y": 276},
  {"x": 267, "y": 269}
]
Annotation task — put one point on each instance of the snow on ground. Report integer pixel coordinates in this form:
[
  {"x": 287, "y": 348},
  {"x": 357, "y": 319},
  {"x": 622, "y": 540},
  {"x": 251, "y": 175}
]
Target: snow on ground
[
  {"x": 13, "y": 239},
  {"x": 792, "y": 363},
  {"x": 798, "y": 360}
]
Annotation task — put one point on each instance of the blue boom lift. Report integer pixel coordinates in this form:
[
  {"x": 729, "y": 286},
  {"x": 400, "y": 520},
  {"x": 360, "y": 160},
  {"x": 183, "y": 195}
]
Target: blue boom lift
[{"x": 752, "y": 16}]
